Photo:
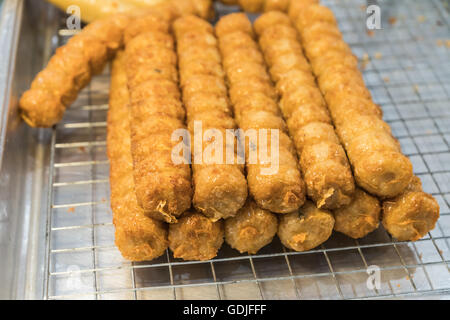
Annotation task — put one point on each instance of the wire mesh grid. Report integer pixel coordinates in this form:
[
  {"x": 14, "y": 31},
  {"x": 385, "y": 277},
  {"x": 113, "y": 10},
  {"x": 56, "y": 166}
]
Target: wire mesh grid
[{"x": 407, "y": 68}]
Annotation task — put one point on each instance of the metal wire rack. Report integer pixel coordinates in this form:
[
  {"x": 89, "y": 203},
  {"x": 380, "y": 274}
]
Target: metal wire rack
[{"x": 406, "y": 66}]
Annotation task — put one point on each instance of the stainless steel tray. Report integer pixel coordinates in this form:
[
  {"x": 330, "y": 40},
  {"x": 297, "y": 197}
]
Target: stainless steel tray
[{"x": 56, "y": 235}]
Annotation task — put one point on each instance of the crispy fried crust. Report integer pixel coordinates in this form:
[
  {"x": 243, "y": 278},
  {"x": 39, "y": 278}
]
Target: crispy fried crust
[
  {"x": 276, "y": 5},
  {"x": 305, "y": 229},
  {"x": 69, "y": 70},
  {"x": 138, "y": 236},
  {"x": 378, "y": 164},
  {"x": 251, "y": 229},
  {"x": 255, "y": 107},
  {"x": 220, "y": 189},
  {"x": 163, "y": 188},
  {"x": 409, "y": 216},
  {"x": 324, "y": 164},
  {"x": 360, "y": 217},
  {"x": 195, "y": 237}
]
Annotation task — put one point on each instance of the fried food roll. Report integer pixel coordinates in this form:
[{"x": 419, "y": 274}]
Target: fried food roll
[
  {"x": 163, "y": 187},
  {"x": 360, "y": 217},
  {"x": 255, "y": 107},
  {"x": 138, "y": 236},
  {"x": 195, "y": 237},
  {"x": 276, "y": 5},
  {"x": 70, "y": 70},
  {"x": 220, "y": 189},
  {"x": 306, "y": 228},
  {"x": 411, "y": 215},
  {"x": 251, "y": 229},
  {"x": 324, "y": 164},
  {"x": 378, "y": 164}
]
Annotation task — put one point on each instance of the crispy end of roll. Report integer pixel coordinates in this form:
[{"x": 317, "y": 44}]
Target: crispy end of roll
[
  {"x": 378, "y": 164},
  {"x": 163, "y": 186},
  {"x": 220, "y": 189},
  {"x": 306, "y": 229},
  {"x": 270, "y": 19},
  {"x": 251, "y": 229},
  {"x": 195, "y": 237},
  {"x": 360, "y": 217},
  {"x": 138, "y": 237},
  {"x": 276, "y": 5},
  {"x": 297, "y": 6},
  {"x": 411, "y": 215},
  {"x": 324, "y": 164},
  {"x": 251, "y": 5}
]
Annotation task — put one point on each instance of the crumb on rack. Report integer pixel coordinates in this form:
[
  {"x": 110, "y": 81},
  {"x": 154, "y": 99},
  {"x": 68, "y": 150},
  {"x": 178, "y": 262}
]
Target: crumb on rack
[
  {"x": 71, "y": 210},
  {"x": 82, "y": 149},
  {"x": 386, "y": 79},
  {"x": 370, "y": 33},
  {"x": 421, "y": 19},
  {"x": 416, "y": 88},
  {"x": 392, "y": 20},
  {"x": 378, "y": 55}
]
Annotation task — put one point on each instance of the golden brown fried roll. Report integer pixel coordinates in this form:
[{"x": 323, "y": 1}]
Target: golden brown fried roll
[
  {"x": 324, "y": 164},
  {"x": 296, "y": 6},
  {"x": 276, "y": 5},
  {"x": 163, "y": 187},
  {"x": 195, "y": 237},
  {"x": 255, "y": 107},
  {"x": 220, "y": 189},
  {"x": 378, "y": 164},
  {"x": 138, "y": 236},
  {"x": 409, "y": 216},
  {"x": 360, "y": 217},
  {"x": 251, "y": 229},
  {"x": 305, "y": 229},
  {"x": 229, "y": 2},
  {"x": 69, "y": 70}
]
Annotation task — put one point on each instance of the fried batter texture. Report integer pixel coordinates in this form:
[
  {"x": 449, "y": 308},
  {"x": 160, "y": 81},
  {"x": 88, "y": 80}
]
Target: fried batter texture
[
  {"x": 375, "y": 155},
  {"x": 324, "y": 164},
  {"x": 138, "y": 236},
  {"x": 251, "y": 229},
  {"x": 220, "y": 189},
  {"x": 360, "y": 217},
  {"x": 411, "y": 215},
  {"x": 69, "y": 70},
  {"x": 255, "y": 107},
  {"x": 306, "y": 229},
  {"x": 195, "y": 237},
  {"x": 71, "y": 67},
  {"x": 163, "y": 188}
]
